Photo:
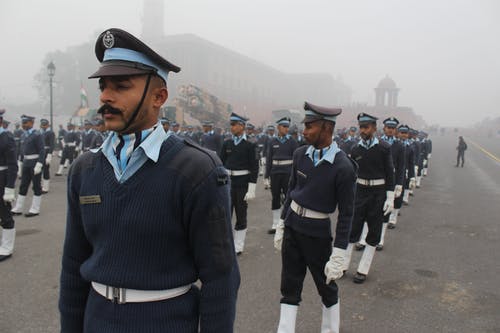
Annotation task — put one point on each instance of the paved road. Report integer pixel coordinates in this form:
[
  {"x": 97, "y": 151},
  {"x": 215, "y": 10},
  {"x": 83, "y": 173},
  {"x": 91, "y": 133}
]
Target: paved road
[{"x": 438, "y": 272}]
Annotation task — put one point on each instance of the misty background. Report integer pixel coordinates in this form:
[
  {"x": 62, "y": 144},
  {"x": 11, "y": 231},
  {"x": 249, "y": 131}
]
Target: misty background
[{"x": 443, "y": 55}]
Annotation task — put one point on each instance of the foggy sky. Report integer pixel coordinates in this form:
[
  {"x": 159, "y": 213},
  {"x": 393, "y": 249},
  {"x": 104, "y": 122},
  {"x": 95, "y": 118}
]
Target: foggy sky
[{"x": 444, "y": 54}]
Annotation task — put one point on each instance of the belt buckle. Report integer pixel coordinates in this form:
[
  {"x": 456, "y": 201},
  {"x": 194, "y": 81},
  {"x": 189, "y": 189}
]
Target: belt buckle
[
  {"x": 116, "y": 295},
  {"x": 301, "y": 211},
  {"x": 371, "y": 182}
]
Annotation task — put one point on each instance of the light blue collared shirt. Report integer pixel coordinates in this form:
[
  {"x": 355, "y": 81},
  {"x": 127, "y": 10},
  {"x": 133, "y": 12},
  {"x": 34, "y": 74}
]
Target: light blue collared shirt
[
  {"x": 367, "y": 145},
  {"x": 328, "y": 154},
  {"x": 149, "y": 148},
  {"x": 238, "y": 139}
]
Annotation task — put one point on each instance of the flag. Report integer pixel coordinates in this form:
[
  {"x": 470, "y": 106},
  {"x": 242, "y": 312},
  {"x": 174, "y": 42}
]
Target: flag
[{"x": 84, "y": 101}]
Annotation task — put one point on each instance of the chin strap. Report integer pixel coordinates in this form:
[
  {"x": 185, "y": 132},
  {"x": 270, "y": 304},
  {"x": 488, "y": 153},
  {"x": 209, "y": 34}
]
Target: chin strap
[{"x": 136, "y": 111}]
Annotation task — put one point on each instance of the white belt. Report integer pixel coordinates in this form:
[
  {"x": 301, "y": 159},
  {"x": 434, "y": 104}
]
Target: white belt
[
  {"x": 260, "y": 145},
  {"x": 46, "y": 147},
  {"x": 301, "y": 211},
  {"x": 282, "y": 162},
  {"x": 2, "y": 168},
  {"x": 123, "y": 295},
  {"x": 371, "y": 182},
  {"x": 71, "y": 144},
  {"x": 31, "y": 157},
  {"x": 238, "y": 172}
]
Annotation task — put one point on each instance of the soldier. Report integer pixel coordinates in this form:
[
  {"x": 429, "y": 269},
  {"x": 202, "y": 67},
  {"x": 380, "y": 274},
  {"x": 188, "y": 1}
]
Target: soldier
[
  {"x": 8, "y": 172},
  {"x": 374, "y": 194},
  {"x": 30, "y": 163},
  {"x": 60, "y": 139},
  {"x": 148, "y": 214},
  {"x": 278, "y": 167},
  {"x": 350, "y": 141},
  {"x": 409, "y": 175},
  {"x": 239, "y": 157},
  {"x": 322, "y": 180},
  {"x": 261, "y": 142},
  {"x": 211, "y": 140},
  {"x": 461, "y": 148},
  {"x": 87, "y": 135},
  {"x": 18, "y": 133},
  {"x": 5, "y": 125},
  {"x": 176, "y": 128},
  {"x": 398, "y": 152},
  {"x": 100, "y": 134},
  {"x": 428, "y": 143},
  {"x": 422, "y": 157},
  {"x": 70, "y": 143},
  {"x": 250, "y": 132},
  {"x": 49, "y": 143}
]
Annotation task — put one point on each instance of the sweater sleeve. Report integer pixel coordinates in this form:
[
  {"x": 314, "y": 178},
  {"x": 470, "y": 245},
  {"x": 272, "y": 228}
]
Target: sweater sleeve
[
  {"x": 269, "y": 162},
  {"x": 291, "y": 185},
  {"x": 40, "y": 148},
  {"x": 345, "y": 188},
  {"x": 10, "y": 159},
  {"x": 209, "y": 219},
  {"x": 399, "y": 165},
  {"x": 253, "y": 161},
  {"x": 74, "y": 289},
  {"x": 389, "y": 170}
]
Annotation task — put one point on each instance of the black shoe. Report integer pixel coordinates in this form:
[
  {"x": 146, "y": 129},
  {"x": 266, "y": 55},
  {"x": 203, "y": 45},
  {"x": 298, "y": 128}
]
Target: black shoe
[
  {"x": 16, "y": 213},
  {"x": 2, "y": 258},
  {"x": 271, "y": 231},
  {"x": 58, "y": 174},
  {"x": 359, "y": 278},
  {"x": 359, "y": 247},
  {"x": 45, "y": 192},
  {"x": 391, "y": 225},
  {"x": 28, "y": 214},
  {"x": 239, "y": 253},
  {"x": 379, "y": 247}
]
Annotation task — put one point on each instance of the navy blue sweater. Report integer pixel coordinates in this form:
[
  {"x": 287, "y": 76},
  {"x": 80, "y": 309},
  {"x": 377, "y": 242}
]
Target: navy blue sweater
[
  {"x": 279, "y": 151},
  {"x": 322, "y": 188},
  {"x": 8, "y": 159},
  {"x": 166, "y": 226}
]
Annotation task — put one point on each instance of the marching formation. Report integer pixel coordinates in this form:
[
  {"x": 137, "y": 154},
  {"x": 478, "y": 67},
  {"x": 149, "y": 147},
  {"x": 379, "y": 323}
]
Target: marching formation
[{"x": 151, "y": 201}]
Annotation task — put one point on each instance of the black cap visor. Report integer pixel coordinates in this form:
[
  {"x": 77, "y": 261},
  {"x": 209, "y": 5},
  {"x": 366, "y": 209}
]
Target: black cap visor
[{"x": 122, "y": 68}]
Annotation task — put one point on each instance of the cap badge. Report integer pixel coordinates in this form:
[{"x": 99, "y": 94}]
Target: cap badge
[{"x": 108, "y": 40}]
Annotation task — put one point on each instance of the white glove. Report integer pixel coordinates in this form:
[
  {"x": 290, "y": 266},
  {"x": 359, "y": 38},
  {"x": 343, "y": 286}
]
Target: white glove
[
  {"x": 429, "y": 156},
  {"x": 38, "y": 168},
  {"x": 19, "y": 168},
  {"x": 425, "y": 163},
  {"x": 48, "y": 159},
  {"x": 77, "y": 149},
  {"x": 398, "y": 190},
  {"x": 412, "y": 184},
  {"x": 278, "y": 236},
  {"x": 333, "y": 268},
  {"x": 251, "y": 192},
  {"x": 416, "y": 170},
  {"x": 263, "y": 160},
  {"x": 389, "y": 203},
  {"x": 9, "y": 195},
  {"x": 267, "y": 182}
]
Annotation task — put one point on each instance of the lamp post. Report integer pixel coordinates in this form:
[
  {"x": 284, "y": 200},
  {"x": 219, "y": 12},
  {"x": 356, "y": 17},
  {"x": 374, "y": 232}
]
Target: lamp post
[{"x": 51, "y": 69}]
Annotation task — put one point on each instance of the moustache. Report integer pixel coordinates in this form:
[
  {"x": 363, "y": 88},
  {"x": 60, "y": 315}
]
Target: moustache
[{"x": 106, "y": 108}]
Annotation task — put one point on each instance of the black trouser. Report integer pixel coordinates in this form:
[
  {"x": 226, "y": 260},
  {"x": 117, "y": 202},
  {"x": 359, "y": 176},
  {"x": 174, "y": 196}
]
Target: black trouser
[
  {"x": 398, "y": 202},
  {"x": 6, "y": 220},
  {"x": 239, "y": 206},
  {"x": 368, "y": 207},
  {"x": 299, "y": 252},
  {"x": 27, "y": 176},
  {"x": 68, "y": 154},
  {"x": 279, "y": 186},
  {"x": 461, "y": 156}
]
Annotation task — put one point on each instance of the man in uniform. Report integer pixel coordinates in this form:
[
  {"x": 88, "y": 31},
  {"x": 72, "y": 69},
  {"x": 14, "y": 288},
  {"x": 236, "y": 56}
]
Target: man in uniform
[
  {"x": 18, "y": 133},
  {"x": 166, "y": 124},
  {"x": 461, "y": 148},
  {"x": 261, "y": 142},
  {"x": 278, "y": 167},
  {"x": 87, "y": 135},
  {"x": 8, "y": 172},
  {"x": 70, "y": 142},
  {"x": 211, "y": 140},
  {"x": 350, "y": 141},
  {"x": 148, "y": 214},
  {"x": 5, "y": 125},
  {"x": 31, "y": 160},
  {"x": 375, "y": 192},
  {"x": 323, "y": 178},
  {"x": 49, "y": 143},
  {"x": 239, "y": 157}
]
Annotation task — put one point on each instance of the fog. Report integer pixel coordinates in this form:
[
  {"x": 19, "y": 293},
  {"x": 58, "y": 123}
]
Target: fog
[{"x": 443, "y": 55}]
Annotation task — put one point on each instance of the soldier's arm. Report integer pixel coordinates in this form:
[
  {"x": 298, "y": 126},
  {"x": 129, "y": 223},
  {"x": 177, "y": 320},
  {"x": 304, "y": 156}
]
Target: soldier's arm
[
  {"x": 253, "y": 160},
  {"x": 210, "y": 236},
  {"x": 10, "y": 158},
  {"x": 40, "y": 148},
  {"x": 345, "y": 189},
  {"x": 389, "y": 169},
  {"x": 74, "y": 289},
  {"x": 400, "y": 166},
  {"x": 291, "y": 185},
  {"x": 269, "y": 162}
]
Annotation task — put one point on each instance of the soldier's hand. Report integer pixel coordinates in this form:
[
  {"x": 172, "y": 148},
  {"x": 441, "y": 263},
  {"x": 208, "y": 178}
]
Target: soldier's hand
[
  {"x": 19, "y": 169},
  {"x": 48, "y": 159},
  {"x": 389, "y": 203},
  {"x": 334, "y": 266},
  {"x": 398, "y": 190},
  {"x": 250, "y": 195},
  {"x": 9, "y": 195},
  {"x": 412, "y": 184},
  {"x": 38, "y": 168},
  {"x": 278, "y": 236}
]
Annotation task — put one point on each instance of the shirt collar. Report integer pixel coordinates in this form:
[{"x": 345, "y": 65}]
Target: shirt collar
[
  {"x": 372, "y": 142},
  {"x": 328, "y": 154},
  {"x": 2, "y": 129},
  {"x": 151, "y": 145}
]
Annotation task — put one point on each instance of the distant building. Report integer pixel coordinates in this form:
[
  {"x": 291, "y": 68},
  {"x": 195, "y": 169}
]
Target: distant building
[{"x": 251, "y": 87}]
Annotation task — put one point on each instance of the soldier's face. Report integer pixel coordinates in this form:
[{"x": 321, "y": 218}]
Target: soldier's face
[
  {"x": 403, "y": 136},
  {"x": 27, "y": 125},
  {"x": 366, "y": 131},
  {"x": 282, "y": 130},
  {"x": 237, "y": 128},
  {"x": 389, "y": 131},
  {"x": 315, "y": 134},
  {"x": 123, "y": 94}
]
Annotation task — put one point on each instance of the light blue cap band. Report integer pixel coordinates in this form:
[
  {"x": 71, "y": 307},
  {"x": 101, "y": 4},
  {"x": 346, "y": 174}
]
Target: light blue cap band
[
  {"x": 391, "y": 123},
  {"x": 233, "y": 118},
  {"x": 320, "y": 116},
  {"x": 284, "y": 122},
  {"x": 118, "y": 53},
  {"x": 370, "y": 119}
]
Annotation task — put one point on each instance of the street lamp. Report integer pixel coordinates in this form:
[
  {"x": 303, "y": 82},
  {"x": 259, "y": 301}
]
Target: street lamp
[{"x": 51, "y": 70}]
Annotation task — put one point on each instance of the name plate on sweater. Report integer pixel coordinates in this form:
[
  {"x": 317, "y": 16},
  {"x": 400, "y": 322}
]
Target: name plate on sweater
[{"x": 90, "y": 199}]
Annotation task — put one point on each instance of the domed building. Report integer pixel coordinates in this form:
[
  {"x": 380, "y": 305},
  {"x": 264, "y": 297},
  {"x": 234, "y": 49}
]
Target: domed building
[{"x": 386, "y": 87}]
